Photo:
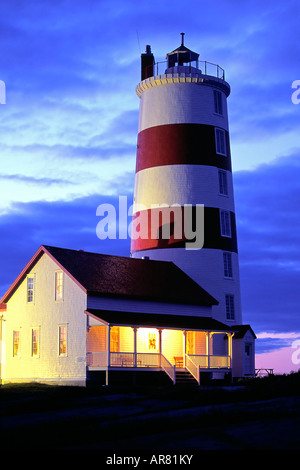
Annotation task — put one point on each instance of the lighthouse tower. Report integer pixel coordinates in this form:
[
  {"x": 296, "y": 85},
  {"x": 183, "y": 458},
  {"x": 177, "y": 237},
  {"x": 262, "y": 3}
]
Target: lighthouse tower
[{"x": 183, "y": 161}]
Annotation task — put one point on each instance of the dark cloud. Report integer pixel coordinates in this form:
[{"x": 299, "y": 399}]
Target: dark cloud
[
  {"x": 267, "y": 208},
  {"x": 65, "y": 224}
]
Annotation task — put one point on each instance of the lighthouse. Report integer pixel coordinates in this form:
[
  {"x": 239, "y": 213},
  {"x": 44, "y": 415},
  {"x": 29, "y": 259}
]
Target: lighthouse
[{"x": 183, "y": 163}]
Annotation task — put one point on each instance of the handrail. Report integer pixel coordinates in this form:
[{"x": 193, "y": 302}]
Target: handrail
[
  {"x": 168, "y": 368},
  {"x": 193, "y": 368},
  {"x": 209, "y": 68}
]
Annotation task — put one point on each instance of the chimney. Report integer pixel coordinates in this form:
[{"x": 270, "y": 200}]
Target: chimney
[{"x": 147, "y": 64}]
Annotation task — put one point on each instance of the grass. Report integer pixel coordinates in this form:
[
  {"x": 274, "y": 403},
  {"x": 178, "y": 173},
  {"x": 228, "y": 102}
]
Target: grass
[{"x": 36, "y": 416}]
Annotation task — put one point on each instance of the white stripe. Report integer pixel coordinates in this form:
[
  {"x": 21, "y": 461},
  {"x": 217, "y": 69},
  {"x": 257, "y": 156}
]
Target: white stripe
[
  {"x": 182, "y": 184},
  {"x": 180, "y": 104}
]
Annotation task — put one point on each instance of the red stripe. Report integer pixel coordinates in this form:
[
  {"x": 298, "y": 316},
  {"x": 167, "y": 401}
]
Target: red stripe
[
  {"x": 178, "y": 144},
  {"x": 147, "y": 227}
]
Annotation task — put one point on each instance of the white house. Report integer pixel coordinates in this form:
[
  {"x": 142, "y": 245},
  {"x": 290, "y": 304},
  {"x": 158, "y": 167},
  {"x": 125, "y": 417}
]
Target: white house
[{"x": 74, "y": 315}]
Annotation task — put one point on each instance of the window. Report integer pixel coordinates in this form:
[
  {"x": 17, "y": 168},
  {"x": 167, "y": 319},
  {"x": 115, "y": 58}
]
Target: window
[
  {"x": 30, "y": 288},
  {"x": 114, "y": 339},
  {"x": 248, "y": 349},
  {"x": 229, "y": 302},
  {"x": 190, "y": 342},
  {"x": 35, "y": 348},
  {"x": 218, "y": 102},
  {"x": 152, "y": 341},
  {"x": 223, "y": 187},
  {"x": 58, "y": 285},
  {"x": 227, "y": 265},
  {"x": 62, "y": 340},
  {"x": 16, "y": 343},
  {"x": 220, "y": 141},
  {"x": 225, "y": 223}
]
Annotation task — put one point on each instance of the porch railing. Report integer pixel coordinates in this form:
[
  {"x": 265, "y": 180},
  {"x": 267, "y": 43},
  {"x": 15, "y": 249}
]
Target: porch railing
[
  {"x": 131, "y": 359},
  {"x": 96, "y": 359},
  {"x": 211, "y": 362}
]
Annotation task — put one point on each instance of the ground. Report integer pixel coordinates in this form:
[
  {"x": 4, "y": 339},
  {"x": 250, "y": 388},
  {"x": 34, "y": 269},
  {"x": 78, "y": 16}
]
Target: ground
[{"x": 259, "y": 414}]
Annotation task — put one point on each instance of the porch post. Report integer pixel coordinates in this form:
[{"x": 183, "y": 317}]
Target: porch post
[
  {"x": 184, "y": 347},
  {"x": 108, "y": 356},
  {"x": 208, "y": 347},
  {"x": 160, "y": 345},
  {"x": 229, "y": 336},
  {"x": 134, "y": 347},
  {"x": 108, "y": 345}
]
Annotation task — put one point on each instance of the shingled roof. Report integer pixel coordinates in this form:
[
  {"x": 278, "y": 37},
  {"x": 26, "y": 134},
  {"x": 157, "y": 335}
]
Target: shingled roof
[
  {"x": 118, "y": 276},
  {"x": 159, "y": 320}
]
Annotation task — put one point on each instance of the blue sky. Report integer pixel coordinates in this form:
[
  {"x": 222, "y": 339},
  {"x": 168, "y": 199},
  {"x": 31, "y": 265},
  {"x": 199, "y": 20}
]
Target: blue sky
[{"x": 69, "y": 128}]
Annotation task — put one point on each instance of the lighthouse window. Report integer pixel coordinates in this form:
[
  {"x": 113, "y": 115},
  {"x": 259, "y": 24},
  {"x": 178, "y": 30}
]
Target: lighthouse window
[
  {"x": 223, "y": 188},
  {"x": 220, "y": 141},
  {"x": 225, "y": 223},
  {"x": 229, "y": 303},
  {"x": 227, "y": 265},
  {"x": 218, "y": 102}
]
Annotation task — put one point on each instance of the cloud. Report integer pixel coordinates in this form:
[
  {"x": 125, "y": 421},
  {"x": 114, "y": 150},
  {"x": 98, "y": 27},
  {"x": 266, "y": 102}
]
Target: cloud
[
  {"x": 66, "y": 224},
  {"x": 267, "y": 209},
  {"x": 32, "y": 180}
]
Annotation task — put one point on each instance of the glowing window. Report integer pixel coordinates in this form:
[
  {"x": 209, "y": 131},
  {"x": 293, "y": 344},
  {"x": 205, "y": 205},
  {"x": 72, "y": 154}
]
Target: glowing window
[
  {"x": 16, "y": 343},
  {"x": 220, "y": 141},
  {"x": 62, "y": 338},
  {"x": 190, "y": 342},
  {"x": 152, "y": 341},
  {"x": 35, "y": 348},
  {"x": 30, "y": 289},
  {"x": 114, "y": 339},
  {"x": 229, "y": 302},
  {"x": 58, "y": 285}
]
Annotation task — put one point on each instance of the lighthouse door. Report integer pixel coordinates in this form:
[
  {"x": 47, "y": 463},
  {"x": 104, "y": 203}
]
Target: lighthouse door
[{"x": 248, "y": 359}]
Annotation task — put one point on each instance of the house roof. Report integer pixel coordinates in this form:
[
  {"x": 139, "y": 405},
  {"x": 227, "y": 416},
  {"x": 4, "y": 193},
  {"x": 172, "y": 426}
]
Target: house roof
[
  {"x": 118, "y": 276},
  {"x": 241, "y": 330},
  {"x": 157, "y": 320}
]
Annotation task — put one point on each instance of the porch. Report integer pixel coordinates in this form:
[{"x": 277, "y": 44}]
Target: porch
[{"x": 157, "y": 344}]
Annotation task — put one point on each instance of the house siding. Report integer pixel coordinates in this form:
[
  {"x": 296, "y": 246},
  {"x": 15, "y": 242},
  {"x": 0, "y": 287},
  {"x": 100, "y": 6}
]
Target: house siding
[{"x": 47, "y": 315}]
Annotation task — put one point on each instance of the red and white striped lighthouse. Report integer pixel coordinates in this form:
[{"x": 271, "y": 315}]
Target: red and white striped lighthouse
[{"x": 183, "y": 160}]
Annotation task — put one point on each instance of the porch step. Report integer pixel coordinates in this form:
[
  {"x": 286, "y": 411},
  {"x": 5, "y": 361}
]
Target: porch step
[{"x": 184, "y": 377}]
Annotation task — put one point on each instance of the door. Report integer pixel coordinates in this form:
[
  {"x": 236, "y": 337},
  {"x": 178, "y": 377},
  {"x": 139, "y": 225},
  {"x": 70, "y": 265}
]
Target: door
[{"x": 248, "y": 359}]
